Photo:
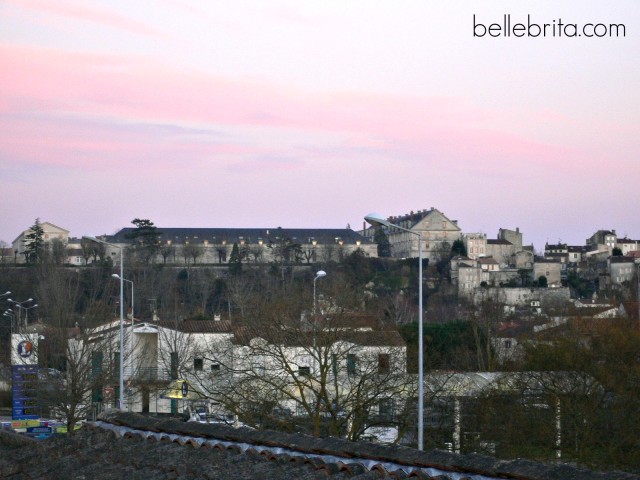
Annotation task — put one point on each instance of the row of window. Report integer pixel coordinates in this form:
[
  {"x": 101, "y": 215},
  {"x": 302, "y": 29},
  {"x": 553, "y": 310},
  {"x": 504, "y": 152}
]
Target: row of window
[{"x": 384, "y": 364}]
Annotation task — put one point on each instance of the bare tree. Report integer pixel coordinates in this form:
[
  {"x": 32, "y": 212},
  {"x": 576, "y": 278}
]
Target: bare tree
[
  {"x": 339, "y": 381},
  {"x": 193, "y": 251},
  {"x": 485, "y": 319},
  {"x": 86, "y": 366}
]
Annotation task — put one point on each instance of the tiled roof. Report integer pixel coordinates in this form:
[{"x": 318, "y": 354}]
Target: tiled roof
[{"x": 487, "y": 261}]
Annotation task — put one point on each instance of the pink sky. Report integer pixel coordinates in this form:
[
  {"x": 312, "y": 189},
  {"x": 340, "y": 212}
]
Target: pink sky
[{"x": 313, "y": 114}]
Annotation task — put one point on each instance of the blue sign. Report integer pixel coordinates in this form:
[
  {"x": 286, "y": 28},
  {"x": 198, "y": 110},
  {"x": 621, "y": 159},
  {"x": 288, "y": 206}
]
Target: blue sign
[{"x": 24, "y": 391}]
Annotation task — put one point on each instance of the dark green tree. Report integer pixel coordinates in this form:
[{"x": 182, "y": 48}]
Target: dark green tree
[
  {"x": 616, "y": 252},
  {"x": 384, "y": 246},
  {"x": 145, "y": 239},
  {"x": 235, "y": 260},
  {"x": 542, "y": 281},
  {"x": 525, "y": 276},
  {"x": 34, "y": 245},
  {"x": 458, "y": 248}
]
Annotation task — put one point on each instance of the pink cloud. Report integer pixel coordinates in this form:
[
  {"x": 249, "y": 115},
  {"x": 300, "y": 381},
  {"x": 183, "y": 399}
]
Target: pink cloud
[{"x": 128, "y": 91}]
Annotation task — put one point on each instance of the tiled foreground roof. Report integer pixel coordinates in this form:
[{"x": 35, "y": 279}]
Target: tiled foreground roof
[{"x": 137, "y": 447}]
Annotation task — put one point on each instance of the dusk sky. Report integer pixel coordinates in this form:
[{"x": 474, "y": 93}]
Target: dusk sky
[{"x": 315, "y": 113}]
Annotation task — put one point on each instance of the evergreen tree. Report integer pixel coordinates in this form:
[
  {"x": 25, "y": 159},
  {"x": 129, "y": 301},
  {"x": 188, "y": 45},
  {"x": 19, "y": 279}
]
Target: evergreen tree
[
  {"x": 145, "y": 239},
  {"x": 235, "y": 260},
  {"x": 381, "y": 238},
  {"x": 34, "y": 243},
  {"x": 458, "y": 248}
]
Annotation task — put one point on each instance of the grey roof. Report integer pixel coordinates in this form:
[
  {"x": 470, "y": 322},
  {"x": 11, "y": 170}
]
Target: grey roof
[
  {"x": 251, "y": 235},
  {"x": 197, "y": 326},
  {"x": 621, "y": 259},
  {"x": 297, "y": 338},
  {"x": 498, "y": 241}
]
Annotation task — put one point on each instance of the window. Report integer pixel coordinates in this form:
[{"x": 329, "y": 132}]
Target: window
[
  {"x": 198, "y": 364},
  {"x": 385, "y": 408},
  {"x": 384, "y": 363},
  {"x": 257, "y": 364},
  {"x": 351, "y": 364},
  {"x": 215, "y": 367},
  {"x": 507, "y": 344},
  {"x": 304, "y": 371},
  {"x": 174, "y": 365},
  {"x": 334, "y": 364}
]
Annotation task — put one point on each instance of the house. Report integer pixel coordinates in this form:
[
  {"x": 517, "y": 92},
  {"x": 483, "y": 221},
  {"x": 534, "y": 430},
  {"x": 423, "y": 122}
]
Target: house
[
  {"x": 576, "y": 253},
  {"x": 455, "y": 266},
  {"x": 622, "y": 269},
  {"x": 223, "y": 363},
  {"x": 488, "y": 264},
  {"x": 503, "y": 251},
  {"x": 438, "y": 234},
  {"x": 603, "y": 239},
  {"x": 50, "y": 234},
  {"x": 475, "y": 244},
  {"x": 549, "y": 268},
  {"x": 627, "y": 245}
]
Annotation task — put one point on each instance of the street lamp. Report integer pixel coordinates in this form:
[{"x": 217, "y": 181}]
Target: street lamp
[
  {"x": 5, "y": 294},
  {"x": 115, "y": 275},
  {"x": 121, "y": 366},
  {"x": 26, "y": 314},
  {"x": 20, "y": 307},
  {"x": 12, "y": 316},
  {"x": 377, "y": 220},
  {"x": 319, "y": 274}
]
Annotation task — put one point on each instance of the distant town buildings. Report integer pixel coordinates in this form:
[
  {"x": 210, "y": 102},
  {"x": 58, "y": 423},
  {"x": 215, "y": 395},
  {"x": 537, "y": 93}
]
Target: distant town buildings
[{"x": 503, "y": 261}]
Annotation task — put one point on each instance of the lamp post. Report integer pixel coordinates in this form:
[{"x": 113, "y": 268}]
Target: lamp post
[
  {"x": 377, "y": 220},
  {"x": 26, "y": 314},
  {"x": 19, "y": 306},
  {"x": 5, "y": 294},
  {"x": 12, "y": 316},
  {"x": 121, "y": 366},
  {"x": 319, "y": 274},
  {"x": 115, "y": 275}
]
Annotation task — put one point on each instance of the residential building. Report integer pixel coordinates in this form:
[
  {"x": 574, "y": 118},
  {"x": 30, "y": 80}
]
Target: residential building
[
  {"x": 549, "y": 268},
  {"x": 438, "y": 234},
  {"x": 603, "y": 239},
  {"x": 621, "y": 269},
  {"x": 488, "y": 264},
  {"x": 576, "y": 253},
  {"x": 503, "y": 251},
  {"x": 51, "y": 232},
  {"x": 627, "y": 245},
  {"x": 215, "y": 357},
  {"x": 475, "y": 244},
  {"x": 256, "y": 245}
]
